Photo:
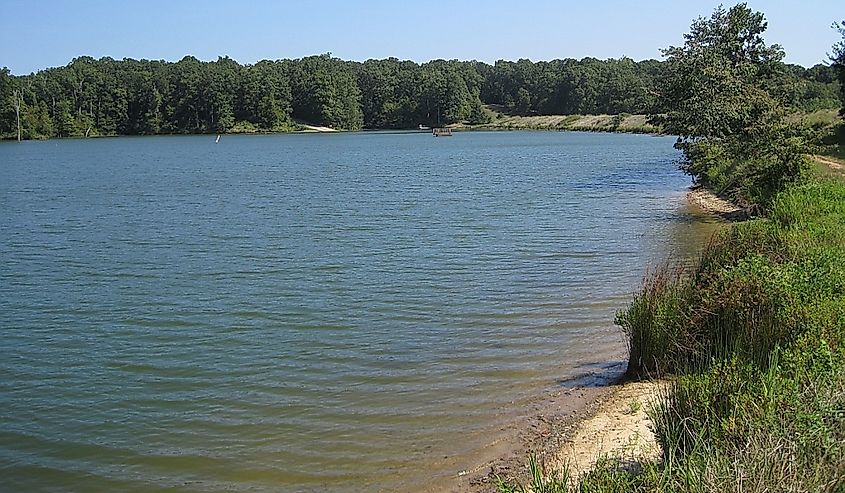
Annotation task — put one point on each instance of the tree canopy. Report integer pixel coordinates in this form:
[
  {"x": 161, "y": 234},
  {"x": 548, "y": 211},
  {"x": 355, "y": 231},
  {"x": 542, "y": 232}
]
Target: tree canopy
[
  {"x": 715, "y": 84},
  {"x": 104, "y": 96},
  {"x": 838, "y": 61},
  {"x": 721, "y": 93}
]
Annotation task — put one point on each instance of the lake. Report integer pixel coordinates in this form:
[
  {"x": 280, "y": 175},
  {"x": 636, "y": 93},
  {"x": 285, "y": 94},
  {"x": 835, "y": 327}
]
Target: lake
[{"x": 345, "y": 312}]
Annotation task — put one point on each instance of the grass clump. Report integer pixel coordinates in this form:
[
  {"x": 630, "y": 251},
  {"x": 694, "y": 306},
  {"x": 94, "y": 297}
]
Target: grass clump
[
  {"x": 540, "y": 480},
  {"x": 740, "y": 427},
  {"x": 752, "y": 290}
]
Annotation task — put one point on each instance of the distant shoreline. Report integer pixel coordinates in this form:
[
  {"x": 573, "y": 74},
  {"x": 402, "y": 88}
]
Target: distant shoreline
[
  {"x": 620, "y": 123},
  {"x": 636, "y": 124}
]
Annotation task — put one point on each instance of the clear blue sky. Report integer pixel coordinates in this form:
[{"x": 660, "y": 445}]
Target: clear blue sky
[{"x": 36, "y": 34}]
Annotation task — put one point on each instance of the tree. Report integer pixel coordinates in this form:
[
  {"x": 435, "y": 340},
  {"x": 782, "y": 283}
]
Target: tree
[
  {"x": 17, "y": 100},
  {"x": 325, "y": 92},
  {"x": 265, "y": 97},
  {"x": 118, "y": 97},
  {"x": 732, "y": 131},
  {"x": 713, "y": 84},
  {"x": 838, "y": 59}
]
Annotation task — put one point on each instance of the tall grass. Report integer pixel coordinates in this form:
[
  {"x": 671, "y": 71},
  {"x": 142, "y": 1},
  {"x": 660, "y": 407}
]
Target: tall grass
[
  {"x": 754, "y": 337},
  {"x": 541, "y": 481},
  {"x": 751, "y": 291}
]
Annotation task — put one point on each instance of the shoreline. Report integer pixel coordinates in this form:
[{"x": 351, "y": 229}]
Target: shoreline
[
  {"x": 550, "y": 420},
  {"x": 327, "y": 130},
  {"x": 571, "y": 428},
  {"x": 621, "y": 124},
  {"x": 712, "y": 204},
  {"x": 601, "y": 415}
]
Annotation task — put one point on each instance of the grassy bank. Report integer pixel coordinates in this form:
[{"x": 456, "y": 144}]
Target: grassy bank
[
  {"x": 754, "y": 336},
  {"x": 591, "y": 123},
  {"x": 820, "y": 120},
  {"x": 752, "y": 339},
  {"x": 757, "y": 334}
]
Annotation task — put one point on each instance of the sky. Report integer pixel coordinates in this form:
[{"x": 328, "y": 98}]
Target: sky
[{"x": 36, "y": 34}]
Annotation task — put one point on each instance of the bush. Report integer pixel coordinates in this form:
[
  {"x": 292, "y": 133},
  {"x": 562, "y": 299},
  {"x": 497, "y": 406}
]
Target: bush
[
  {"x": 756, "y": 336},
  {"x": 751, "y": 291}
]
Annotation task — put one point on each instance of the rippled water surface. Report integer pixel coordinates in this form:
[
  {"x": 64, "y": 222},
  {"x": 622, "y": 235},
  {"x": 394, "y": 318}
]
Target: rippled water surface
[{"x": 307, "y": 312}]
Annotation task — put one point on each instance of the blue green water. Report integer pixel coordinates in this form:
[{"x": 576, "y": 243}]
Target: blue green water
[{"x": 307, "y": 312}]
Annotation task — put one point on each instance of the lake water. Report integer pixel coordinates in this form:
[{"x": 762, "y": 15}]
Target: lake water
[{"x": 308, "y": 312}]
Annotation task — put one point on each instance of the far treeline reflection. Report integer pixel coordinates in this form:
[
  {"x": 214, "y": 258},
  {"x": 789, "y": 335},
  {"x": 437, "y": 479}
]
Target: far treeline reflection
[{"x": 92, "y": 97}]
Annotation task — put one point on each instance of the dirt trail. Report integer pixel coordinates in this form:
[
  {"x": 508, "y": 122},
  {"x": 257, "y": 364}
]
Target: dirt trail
[{"x": 829, "y": 162}]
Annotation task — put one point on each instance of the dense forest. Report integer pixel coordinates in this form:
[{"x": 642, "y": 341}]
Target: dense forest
[{"x": 90, "y": 97}]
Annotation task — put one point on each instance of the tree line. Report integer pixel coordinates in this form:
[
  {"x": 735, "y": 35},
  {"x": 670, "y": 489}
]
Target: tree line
[{"x": 104, "y": 96}]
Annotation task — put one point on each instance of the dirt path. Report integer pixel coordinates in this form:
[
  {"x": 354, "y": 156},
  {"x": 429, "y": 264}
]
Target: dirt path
[{"x": 834, "y": 165}]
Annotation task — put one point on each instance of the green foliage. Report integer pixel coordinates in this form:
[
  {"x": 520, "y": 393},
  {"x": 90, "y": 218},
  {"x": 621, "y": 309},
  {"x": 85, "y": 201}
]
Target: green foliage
[
  {"x": 712, "y": 86},
  {"x": 755, "y": 333},
  {"x": 838, "y": 61},
  {"x": 479, "y": 115},
  {"x": 7, "y": 96},
  {"x": 618, "y": 119},
  {"x": 143, "y": 97},
  {"x": 325, "y": 92},
  {"x": 778, "y": 427},
  {"x": 754, "y": 289},
  {"x": 754, "y": 168},
  {"x": 733, "y": 131},
  {"x": 587, "y": 86},
  {"x": 540, "y": 481},
  {"x": 806, "y": 90}
]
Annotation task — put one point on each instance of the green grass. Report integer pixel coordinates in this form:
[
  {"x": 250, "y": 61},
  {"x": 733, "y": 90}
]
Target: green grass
[
  {"x": 540, "y": 481},
  {"x": 747, "y": 293},
  {"x": 754, "y": 335}
]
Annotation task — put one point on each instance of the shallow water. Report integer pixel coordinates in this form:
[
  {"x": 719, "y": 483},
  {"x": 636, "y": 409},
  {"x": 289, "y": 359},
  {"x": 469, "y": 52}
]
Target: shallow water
[{"x": 308, "y": 312}]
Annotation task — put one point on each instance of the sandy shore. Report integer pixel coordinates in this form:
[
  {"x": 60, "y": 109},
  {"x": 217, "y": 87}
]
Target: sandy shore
[
  {"x": 316, "y": 129},
  {"x": 596, "y": 421},
  {"x": 620, "y": 429},
  {"x": 710, "y": 203},
  {"x": 543, "y": 426}
]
